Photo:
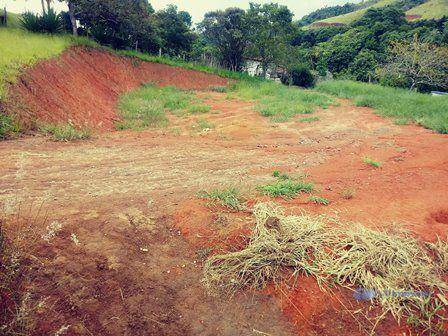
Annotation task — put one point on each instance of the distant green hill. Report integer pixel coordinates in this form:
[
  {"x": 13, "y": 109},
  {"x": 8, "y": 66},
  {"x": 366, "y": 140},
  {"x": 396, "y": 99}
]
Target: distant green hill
[
  {"x": 350, "y": 17},
  {"x": 432, "y": 9}
]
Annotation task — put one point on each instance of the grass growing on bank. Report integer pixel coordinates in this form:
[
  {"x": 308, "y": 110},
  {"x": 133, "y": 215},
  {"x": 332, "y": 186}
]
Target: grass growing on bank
[
  {"x": 403, "y": 105},
  {"x": 277, "y": 101},
  {"x": 65, "y": 132},
  {"x": 229, "y": 198},
  {"x": 20, "y": 49},
  {"x": 147, "y": 106}
]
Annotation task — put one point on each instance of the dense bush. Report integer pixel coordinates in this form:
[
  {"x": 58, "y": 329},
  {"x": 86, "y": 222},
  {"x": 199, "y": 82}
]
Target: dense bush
[
  {"x": 49, "y": 22},
  {"x": 299, "y": 76}
]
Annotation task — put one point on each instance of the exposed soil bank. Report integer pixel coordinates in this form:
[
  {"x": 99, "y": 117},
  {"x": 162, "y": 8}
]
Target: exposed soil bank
[{"x": 82, "y": 86}]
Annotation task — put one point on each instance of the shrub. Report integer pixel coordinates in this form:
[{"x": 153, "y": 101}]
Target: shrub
[
  {"x": 31, "y": 22},
  {"x": 299, "y": 76},
  {"x": 50, "y": 22}
]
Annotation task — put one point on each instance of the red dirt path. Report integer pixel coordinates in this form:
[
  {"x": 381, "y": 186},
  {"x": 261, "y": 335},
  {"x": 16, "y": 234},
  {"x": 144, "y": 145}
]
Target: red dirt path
[{"x": 130, "y": 199}]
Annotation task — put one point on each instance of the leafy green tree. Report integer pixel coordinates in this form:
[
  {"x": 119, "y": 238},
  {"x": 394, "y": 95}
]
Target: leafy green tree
[
  {"x": 120, "y": 23},
  {"x": 419, "y": 63},
  {"x": 364, "y": 65},
  {"x": 226, "y": 32},
  {"x": 271, "y": 30},
  {"x": 177, "y": 37}
]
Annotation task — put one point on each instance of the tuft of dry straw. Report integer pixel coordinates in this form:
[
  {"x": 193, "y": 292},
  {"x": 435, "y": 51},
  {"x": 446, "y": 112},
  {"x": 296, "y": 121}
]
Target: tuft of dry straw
[
  {"x": 278, "y": 242},
  {"x": 394, "y": 266}
]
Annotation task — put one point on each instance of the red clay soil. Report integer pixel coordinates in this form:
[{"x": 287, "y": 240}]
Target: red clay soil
[
  {"x": 142, "y": 234},
  {"x": 82, "y": 86}
]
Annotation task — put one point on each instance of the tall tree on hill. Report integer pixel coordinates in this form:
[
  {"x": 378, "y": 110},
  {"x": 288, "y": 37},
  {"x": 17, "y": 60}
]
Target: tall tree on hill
[
  {"x": 271, "y": 30},
  {"x": 120, "y": 23},
  {"x": 177, "y": 37},
  {"x": 226, "y": 31}
]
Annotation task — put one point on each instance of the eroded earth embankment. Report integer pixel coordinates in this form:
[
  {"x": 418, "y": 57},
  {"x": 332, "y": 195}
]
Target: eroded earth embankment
[{"x": 82, "y": 87}]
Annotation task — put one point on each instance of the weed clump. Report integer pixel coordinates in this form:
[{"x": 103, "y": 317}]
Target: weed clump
[
  {"x": 229, "y": 198},
  {"x": 372, "y": 162},
  {"x": 319, "y": 200},
  {"x": 285, "y": 187}
]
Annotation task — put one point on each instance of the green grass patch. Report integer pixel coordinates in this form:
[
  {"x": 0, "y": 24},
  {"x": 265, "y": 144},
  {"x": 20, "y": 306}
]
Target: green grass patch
[
  {"x": 147, "y": 106},
  {"x": 20, "y": 49},
  {"x": 319, "y": 200},
  {"x": 285, "y": 187},
  {"x": 426, "y": 110},
  {"x": 8, "y": 126},
  {"x": 198, "y": 109},
  {"x": 372, "y": 162},
  {"x": 221, "y": 89},
  {"x": 277, "y": 101},
  {"x": 65, "y": 132},
  {"x": 229, "y": 198},
  {"x": 432, "y": 9}
]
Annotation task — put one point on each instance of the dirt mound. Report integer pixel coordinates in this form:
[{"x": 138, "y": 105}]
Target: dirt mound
[{"x": 82, "y": 86}]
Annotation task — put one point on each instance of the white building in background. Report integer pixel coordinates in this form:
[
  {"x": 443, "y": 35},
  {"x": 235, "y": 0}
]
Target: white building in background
[{"x": 253, "y": 68}]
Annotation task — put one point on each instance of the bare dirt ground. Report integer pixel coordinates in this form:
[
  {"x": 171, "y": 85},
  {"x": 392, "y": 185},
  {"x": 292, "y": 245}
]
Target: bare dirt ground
[{"x": 128, "y": 258}]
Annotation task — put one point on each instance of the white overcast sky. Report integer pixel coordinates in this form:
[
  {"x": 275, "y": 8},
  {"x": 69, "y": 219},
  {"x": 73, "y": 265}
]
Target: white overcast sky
[{"x": 197, "y": 8}]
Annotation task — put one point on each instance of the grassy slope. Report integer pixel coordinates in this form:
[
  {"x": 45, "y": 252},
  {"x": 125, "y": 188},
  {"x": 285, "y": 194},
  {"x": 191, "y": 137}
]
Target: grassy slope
[
  {"x": 19, "y": 49},
  {"x": 433, "y": 9},
  {"x": 13, "y": 20},
  {"x": 403, "y": 105},
  {"x": 350, "y": 17}
]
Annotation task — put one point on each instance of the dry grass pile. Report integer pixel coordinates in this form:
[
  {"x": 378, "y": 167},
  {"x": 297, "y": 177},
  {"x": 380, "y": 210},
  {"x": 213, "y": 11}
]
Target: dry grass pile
[
  {"x": 403, "y": 277},
  {"x": 278, "y": 242},
  {"x": 393, "y": 269}
]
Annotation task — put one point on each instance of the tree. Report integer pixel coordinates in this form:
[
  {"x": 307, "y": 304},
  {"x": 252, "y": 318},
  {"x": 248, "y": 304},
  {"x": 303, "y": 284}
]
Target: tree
[
  {"x": 177, "y": 37},
  {"x": 43, "y": 7},
  {"x": 271, "y": 29},
  {"x": 71, "y": 14},
  {"x": 418, "y": 63},
  {"x": 119, "y": 23},
  {"x": 226, "y": 31}
]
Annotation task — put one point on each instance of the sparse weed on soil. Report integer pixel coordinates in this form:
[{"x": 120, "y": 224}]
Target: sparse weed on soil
[
  {"x": 403, "y": 105},
  {"x": 372, "y": 162},
  {"x": 202, "y": 124},
  {"x": 348, "y": 193},
  {"x": 319, "y": 200},
  {"x": 276, "y": 101},
  {"x": 229, "y": 198},
  {"x": 147, "y": 107},
  {"x": 285, "y": 186},
  {"x": 310, "y": 119},
  {"x": 65, "y": 132},
  {"x": 392, "y": 267}
]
